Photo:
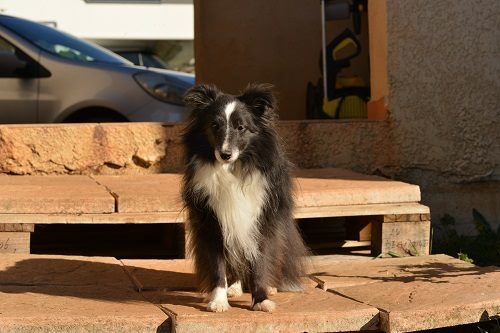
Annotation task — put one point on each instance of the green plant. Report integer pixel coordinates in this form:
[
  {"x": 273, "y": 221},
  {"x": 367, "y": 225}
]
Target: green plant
[
  {"x": 482, "y": 249},
  {"x": 464, "y": 257}
]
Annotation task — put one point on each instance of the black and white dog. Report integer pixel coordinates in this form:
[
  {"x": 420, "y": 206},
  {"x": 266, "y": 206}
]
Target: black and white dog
[{"x": 238, "y": 196}]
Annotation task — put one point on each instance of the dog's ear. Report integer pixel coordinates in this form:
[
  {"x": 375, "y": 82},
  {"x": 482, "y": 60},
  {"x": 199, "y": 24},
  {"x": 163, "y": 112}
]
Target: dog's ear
[
  {"x": 259, "y": 97},
  {"x": 201, "y": 96}
]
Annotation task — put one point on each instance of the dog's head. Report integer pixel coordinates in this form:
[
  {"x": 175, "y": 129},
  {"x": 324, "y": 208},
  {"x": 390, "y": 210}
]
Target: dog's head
[{"x": 230, "y": 123}]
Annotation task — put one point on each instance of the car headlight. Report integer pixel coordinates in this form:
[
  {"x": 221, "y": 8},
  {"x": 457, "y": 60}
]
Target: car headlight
[{"x": 161, "y": 87}]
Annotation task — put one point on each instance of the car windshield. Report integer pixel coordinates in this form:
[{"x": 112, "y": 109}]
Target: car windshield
[
  {"x": 151, "y": 60},
  {"x": 143, "y": 59},
  {"x": 59, "y": 43}
]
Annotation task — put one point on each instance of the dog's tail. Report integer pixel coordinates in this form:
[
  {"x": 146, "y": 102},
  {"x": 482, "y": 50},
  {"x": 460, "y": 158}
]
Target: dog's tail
[{"x": 293, "y": 286}]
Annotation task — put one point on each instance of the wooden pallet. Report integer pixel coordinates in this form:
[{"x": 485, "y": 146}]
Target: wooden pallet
[{"x": 384, "y": 212}]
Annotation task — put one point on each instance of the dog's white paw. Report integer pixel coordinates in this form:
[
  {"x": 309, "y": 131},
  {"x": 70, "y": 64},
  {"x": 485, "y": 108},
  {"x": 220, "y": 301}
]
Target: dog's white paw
[
  {"x": 271, "y": 291},
  {"x": 266, "y": 306},
  {"x": 218, "y": 306},
  {"x": 235, "y": 290}
]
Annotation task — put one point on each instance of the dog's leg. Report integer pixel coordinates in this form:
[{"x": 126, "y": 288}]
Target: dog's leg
[
  {"x": 217, "y": 301},
  {"x": 208, "y": 253},
  {"x": 260, "y": 302},
  {"x": 259, "y": 287}
]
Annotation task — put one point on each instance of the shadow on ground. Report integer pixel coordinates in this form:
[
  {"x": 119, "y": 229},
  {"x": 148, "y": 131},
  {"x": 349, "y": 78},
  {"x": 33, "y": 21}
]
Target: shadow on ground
[
  {"x": 430, "y": 272},
  {"x": 84, "y": 278},
  {"x": 75, "y": 277}
]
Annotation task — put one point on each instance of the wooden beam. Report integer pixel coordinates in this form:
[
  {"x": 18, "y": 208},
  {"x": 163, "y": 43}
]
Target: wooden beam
[
  {"x": 14, "y": 242},
  {"x": 360, "y": 210},
  {"x": 16, "y": 227},
  {"x": 112, "y": 218},
  {"x": 178, "y": 217},
  {"x": 339, "y": 244},
  {"x": 359, "y": 227},
  {"x": 401, "y": 238}
]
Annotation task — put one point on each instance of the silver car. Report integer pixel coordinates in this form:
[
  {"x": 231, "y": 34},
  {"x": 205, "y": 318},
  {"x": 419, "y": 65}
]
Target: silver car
[{"x": 48, "y": 76}]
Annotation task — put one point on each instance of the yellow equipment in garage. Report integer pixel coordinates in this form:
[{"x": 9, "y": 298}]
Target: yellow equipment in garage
[{"x": 339, "y": 97}]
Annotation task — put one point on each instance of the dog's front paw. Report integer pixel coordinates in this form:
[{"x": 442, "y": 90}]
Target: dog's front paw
[
  {"x": 218, "y": 306},
  {"x": 266, "y": 306}
]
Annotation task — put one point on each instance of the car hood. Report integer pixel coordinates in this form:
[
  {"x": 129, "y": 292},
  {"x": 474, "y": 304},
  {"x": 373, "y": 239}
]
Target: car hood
[{"x": 188, "y": 79}]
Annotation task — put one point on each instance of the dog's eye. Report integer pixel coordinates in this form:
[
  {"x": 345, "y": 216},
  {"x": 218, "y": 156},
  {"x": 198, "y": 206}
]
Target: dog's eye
[
  {"x": 215, "y": 125},
  {"x": 241, "y": 127}
]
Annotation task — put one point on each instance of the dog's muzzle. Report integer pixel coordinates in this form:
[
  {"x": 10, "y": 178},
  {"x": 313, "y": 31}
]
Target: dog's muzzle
[{"x": 227, "y": 156}]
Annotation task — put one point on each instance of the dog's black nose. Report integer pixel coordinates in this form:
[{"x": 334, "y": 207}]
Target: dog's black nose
[{"x": 225, "y": 157}]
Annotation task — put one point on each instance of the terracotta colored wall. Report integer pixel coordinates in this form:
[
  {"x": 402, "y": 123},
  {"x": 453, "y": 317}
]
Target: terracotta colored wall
[
  {"x": 277, "y": 41},
  {"x": 377, "y": 18}
]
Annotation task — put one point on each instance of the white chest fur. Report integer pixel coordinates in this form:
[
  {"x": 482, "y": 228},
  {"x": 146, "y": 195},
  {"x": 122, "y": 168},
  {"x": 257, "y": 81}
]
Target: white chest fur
[{"x": 237, "y": 204}]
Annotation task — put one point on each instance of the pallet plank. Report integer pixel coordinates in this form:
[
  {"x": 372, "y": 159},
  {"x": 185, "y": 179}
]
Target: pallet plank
[
  {"x": 14, "y": 242},
  {"x": 400, "y": 238},
  {"x": 113, "y": 218},
  {"x": 179, "y": 216},
  {"x": 14, "y": 227},
  {"x": 361, "y": 210}
]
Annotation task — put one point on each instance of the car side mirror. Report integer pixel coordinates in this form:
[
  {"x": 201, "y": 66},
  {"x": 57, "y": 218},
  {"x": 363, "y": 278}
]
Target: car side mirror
[{"x": 12, "y": 66}]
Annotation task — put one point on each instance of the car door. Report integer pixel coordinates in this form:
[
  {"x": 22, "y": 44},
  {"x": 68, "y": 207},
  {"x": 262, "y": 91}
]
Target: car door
[{"x": 18, "y": 89}]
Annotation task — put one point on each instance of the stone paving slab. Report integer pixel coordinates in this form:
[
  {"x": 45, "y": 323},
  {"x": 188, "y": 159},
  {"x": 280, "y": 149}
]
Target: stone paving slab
[
  {"x": 175, "y": 275},
  {"x": 332, "y": 274},
  {"x": 313, "y": 310},
  {"x": 315, "y": 188},
  {"x": 145, "y": 193},
  {"x": 418, "y": 293},
  {"x": 150, "y": 274},
  {"x": 53, "y": 194},
  {"x": 77, "y": 309},
  {"x": 58, "y": 270},
  {"x": 340, "y": 192},
  {"x": 65, "y": 293},
  {"x": 338, "y": 187},
  {"x": 41, "y": 293},
  {"x": 170, "y": 283}
]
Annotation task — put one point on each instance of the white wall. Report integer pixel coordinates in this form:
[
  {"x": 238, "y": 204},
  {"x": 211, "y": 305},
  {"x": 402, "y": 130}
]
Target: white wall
[{"x": 172, "y": 20}]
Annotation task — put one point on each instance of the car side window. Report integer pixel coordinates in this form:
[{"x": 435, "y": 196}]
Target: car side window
[
  {"x": 16, "y": 64},
  {"x": 11, "y": 64},
  {"x": 6, "y": 47}
]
